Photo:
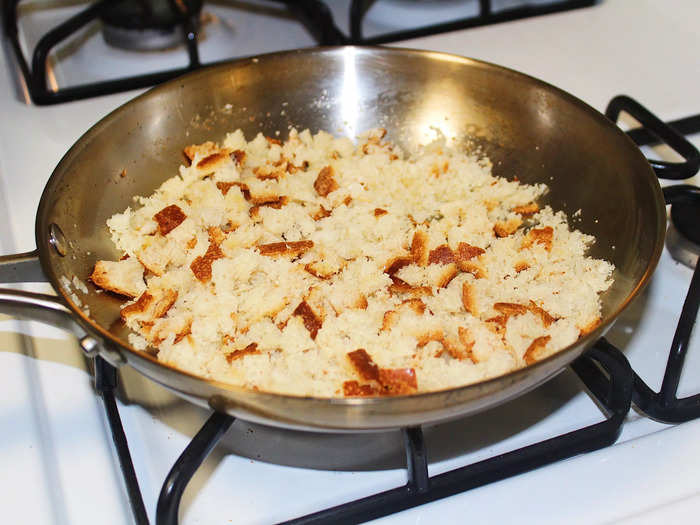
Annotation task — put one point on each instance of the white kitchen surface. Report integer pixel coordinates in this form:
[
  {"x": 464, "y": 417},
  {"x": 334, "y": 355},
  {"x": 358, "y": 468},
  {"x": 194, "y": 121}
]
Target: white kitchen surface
[{"x": 58, "y": 463}]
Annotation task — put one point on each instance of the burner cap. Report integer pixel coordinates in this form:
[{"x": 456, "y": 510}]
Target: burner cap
[
  {"x": 146, "y": 25},
  {"x": 683, "y": 238}
]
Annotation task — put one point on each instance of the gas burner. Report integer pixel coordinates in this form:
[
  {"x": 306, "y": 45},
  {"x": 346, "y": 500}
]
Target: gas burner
[
  {"x": 151, "y": 25},
  {"x": 147, "y": 25},
  {"x": 683, "y": 235}
]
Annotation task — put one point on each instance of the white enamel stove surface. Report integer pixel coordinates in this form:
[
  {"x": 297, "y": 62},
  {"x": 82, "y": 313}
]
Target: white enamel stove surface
[{"x": 58, "y": 462}]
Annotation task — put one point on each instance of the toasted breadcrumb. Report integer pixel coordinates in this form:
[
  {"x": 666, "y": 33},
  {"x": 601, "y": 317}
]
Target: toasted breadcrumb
[
  {"x": 316, "y": 266},
  {"x": 121, "y": 277}
]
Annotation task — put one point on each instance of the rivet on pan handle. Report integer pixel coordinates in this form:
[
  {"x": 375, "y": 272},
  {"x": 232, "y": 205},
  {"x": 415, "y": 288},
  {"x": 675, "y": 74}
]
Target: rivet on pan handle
[{"x": 654, "y": 127}]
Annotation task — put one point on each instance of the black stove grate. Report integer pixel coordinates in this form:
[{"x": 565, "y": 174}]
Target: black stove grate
[
  {"x": 603, "y": 369},
  {"x": 664, "y": 405},
  {"x": 35, "y": 76},
  {"x": 487, "y": 15},
  {"x": 313, "y": 14},
  {"x": 613, "y": 395},
  {"x": 106, "y": 384}
]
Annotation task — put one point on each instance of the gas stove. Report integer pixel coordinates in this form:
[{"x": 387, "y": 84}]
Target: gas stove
[{"x": 59, "y": 442}]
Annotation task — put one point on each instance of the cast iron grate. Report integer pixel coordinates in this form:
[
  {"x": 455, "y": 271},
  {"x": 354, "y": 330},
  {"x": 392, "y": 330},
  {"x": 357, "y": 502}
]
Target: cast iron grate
[
  {"x": 664, "y": 405},
  {"x": 313, "y": 14},
  {"x": 486, "y": 16},
  {"x": 612, "y": 390},
  {"x": 603, "y": 369}
]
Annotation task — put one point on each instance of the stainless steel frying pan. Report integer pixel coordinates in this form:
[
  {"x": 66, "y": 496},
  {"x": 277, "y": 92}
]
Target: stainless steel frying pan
[{"x": 529, "y": 129}]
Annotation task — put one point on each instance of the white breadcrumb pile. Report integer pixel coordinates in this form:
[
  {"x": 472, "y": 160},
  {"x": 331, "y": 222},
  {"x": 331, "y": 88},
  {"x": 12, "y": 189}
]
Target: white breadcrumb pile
[{"x": 327, "y": 268}]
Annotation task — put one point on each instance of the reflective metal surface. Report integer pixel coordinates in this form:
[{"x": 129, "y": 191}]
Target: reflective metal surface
[{"x": 528, "y": 129}]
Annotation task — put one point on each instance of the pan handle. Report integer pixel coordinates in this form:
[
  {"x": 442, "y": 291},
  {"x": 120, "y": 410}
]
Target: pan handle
[
  {"x": 49, "y": 309},
  {"x": 25, "y": 268},
  {"x": 21, "y": 268},
  {"x": 653, "y": 131},
  {"x": 39, "y": 307}
]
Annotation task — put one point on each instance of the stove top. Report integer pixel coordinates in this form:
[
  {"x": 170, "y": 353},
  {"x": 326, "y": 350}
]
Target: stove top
[{"x": 60, "y": 443}]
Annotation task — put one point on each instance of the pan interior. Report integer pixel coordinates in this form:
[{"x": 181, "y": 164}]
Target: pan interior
[{"x": 528, "y": 129}]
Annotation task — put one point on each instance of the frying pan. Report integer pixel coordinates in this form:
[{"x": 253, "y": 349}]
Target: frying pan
[{"x": 529, "y": 130}]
